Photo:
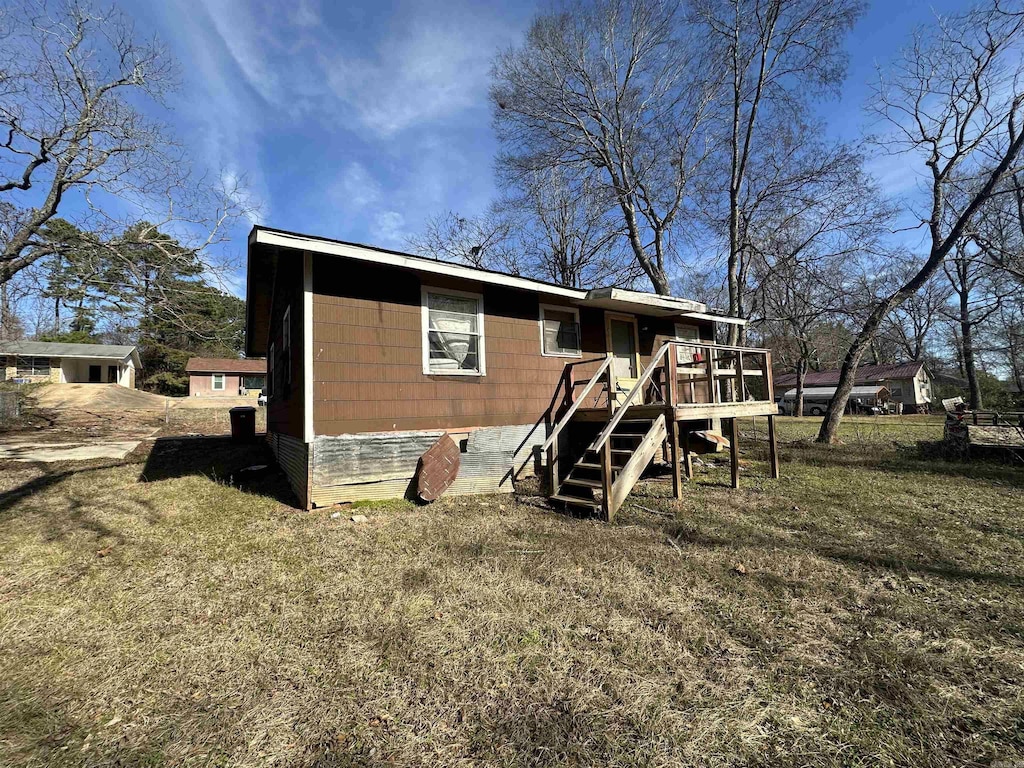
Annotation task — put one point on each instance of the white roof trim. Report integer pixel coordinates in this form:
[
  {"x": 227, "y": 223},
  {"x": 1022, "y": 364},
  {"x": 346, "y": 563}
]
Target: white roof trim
[
  {"x": 417, "y": 264},
  {"x": 622, "y": 298},
  {"x": 716, "y": 318}
]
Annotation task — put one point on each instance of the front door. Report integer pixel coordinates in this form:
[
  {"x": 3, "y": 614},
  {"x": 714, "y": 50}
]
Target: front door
[
  {"x": 95, "y": 373},
  {"x": 623, "y": 345}
]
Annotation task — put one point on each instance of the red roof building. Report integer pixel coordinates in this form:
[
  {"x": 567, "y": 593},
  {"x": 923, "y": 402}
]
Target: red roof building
[
  {"x": 908, "y": 383},
  {"x": 225, "y": 377}
]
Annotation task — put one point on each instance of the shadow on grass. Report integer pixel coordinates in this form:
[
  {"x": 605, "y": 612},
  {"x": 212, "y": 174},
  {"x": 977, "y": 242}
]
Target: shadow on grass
[
  {"x": 827, "y": 542},
  {"x": 45, "y": 481},
  {"x": 894, "y": 458},
  {"x": 250, "y": 467}
]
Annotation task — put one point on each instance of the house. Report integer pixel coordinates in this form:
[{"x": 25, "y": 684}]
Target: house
[
  {"x": 225, "y": 377},
  {"x": 373, "y": 355},
  {"x": 62, "y": 363},
  {"x": 908, "y": 383}
]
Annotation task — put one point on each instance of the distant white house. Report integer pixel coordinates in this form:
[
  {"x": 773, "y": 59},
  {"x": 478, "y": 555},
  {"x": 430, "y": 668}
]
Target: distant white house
[{"x": 63, "y": 363}]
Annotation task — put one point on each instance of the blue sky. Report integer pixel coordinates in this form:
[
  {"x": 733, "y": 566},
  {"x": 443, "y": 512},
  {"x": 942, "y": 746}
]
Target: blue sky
[{"x": 360, "y": 119}]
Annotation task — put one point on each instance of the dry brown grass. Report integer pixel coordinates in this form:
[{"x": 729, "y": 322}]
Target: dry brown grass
[{"x": 880, "y": 619}]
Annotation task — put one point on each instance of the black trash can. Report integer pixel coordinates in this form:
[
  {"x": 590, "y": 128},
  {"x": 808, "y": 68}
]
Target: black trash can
[{"x": 243, "y": 423}]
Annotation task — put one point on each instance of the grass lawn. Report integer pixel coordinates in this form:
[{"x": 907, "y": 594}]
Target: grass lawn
[{"x": 866, "y": 609}]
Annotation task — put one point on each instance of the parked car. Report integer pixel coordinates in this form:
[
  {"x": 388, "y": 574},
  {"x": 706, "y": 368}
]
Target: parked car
[{"x": 262, "y": 399}]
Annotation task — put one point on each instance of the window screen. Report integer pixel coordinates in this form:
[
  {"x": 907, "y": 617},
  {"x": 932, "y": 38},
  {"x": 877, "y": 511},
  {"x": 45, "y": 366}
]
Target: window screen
[
  {"x": 560, "y": 329},
  {"x": 33, "y": 366}
]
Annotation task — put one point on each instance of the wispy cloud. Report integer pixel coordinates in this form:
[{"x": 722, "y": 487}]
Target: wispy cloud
[
  {"x": 349, "y": 120},
  {"x": 391, "y": 228},
  {"x": 427, "y": 70},
  {"x": 355, "y": 187}
]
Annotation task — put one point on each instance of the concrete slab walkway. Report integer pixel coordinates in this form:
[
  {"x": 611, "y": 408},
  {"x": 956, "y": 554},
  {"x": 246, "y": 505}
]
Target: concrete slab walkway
[{"x": 30, "y": 451}]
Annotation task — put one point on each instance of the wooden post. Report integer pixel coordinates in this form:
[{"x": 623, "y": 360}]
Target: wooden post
[
  {"x": 773, "y": 449},
  {"x": 734, "y": 451},
  {"x": 687, "y": 461},
  {"x": 712, "y": 389},
  {"x": 553, "y": 467},
  {"x": 671, "y": 384},
  {"x": 738, "y": 393},
  {"x": 606, "y": 481},
  {"x": 611, "y": 387}
]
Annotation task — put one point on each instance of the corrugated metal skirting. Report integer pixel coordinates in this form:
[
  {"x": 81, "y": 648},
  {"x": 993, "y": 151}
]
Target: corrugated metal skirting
[
  {"x": 292, "y": 455},
  {"x": 383, "y": 465}
]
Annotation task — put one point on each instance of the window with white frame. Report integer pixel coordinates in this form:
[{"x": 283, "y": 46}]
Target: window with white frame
[
  {"x": 218, "y": 382},
  {"x": 453, "y": 333},
  {"x": 687, "y": 355},
  {"x": 560, "y": 332}
]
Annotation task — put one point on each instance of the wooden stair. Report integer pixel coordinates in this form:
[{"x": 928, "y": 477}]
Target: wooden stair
[{"x": 634, "y": 443}]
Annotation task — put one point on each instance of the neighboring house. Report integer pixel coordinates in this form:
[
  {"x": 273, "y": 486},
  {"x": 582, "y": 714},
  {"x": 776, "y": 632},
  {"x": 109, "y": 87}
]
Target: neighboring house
[
  {"x": 372, "y": 355},
  {"x": 225, "y": 377},
  {"x": 908, "y": 383},
  {"x": 62, "y": 363}
]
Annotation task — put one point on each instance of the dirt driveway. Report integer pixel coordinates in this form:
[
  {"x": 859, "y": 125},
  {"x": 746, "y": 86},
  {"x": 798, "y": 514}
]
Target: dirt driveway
[{"x": 74, "y": 422}]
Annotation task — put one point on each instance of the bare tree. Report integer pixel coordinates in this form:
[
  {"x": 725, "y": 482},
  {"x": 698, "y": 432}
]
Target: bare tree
[
  {"x": 566, "y": 231},
  {"x": 775, "y": 55},
  {"x": 979, "y": 296},
  {"x": 1008, "y": 334},
  {"x": 481, "y": 241},
  {"x": 70, "y": 134},
  {"x": 909, "y": 326},
  {"x": 955, "y": 100},
  {"x": 804, "y": 239},
  {"x": 616, "y": 89}
]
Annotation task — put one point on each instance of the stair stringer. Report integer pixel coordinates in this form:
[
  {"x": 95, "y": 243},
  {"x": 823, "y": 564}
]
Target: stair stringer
[{"x": 633, "y": 468}]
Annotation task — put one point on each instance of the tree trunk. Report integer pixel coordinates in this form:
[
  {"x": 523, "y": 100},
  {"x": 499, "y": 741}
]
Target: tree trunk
[
  {"x": 801, "y": 377},
  {"x": 967, "y": 341}
]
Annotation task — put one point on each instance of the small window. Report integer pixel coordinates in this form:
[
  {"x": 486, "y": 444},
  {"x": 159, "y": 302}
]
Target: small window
[
  {"x": 218, "y": 382},
  {"x": 687, "y": 355},
  {"x": 254, "y": 382},
  {"x": 560, "y": 332},
  {"x": 286, "y": 345},
  {"x": 453, "y": 333},
  {"x": 270, "y": 371}
]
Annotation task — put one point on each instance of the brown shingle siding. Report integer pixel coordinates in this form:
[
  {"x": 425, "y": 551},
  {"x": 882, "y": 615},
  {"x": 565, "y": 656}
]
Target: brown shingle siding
[{"x": 368, "y": 356}]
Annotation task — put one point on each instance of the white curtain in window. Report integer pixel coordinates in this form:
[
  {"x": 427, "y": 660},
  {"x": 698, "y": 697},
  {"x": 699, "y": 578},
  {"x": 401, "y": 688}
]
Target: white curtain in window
[{"x": 454, "y": 332}]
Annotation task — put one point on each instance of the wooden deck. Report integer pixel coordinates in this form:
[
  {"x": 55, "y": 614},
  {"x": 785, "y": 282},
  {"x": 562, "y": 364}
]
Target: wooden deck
[
  {"x": 687, "y": 411},
  {"x": 710, "y": 384}
]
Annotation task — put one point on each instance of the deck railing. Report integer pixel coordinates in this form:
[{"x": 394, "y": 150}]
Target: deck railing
[
  {"x": 706, "y": 373},
  {"x": 681, "y": 372}
]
